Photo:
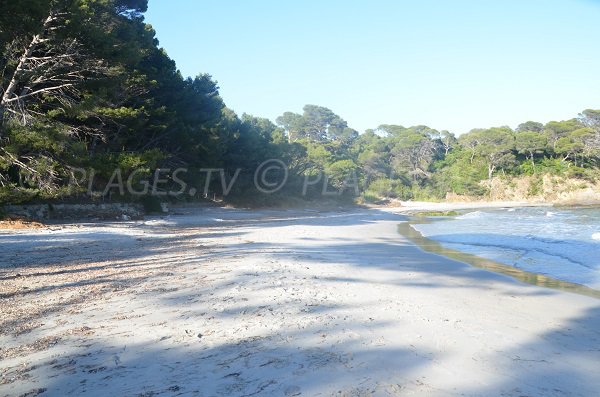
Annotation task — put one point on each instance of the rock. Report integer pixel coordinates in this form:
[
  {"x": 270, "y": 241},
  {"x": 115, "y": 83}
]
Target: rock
[{"x": 119, "y": 211}]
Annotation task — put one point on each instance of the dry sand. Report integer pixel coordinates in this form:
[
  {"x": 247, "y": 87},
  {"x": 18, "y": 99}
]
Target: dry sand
[{"x": 219, "y": 302}]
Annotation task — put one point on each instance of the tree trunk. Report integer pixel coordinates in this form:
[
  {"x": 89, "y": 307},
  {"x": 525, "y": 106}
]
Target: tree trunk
[
  {"x": 14, "y": 81},
  {"x": 491, "y": 169},
  {"x": 9, "y": 96}
]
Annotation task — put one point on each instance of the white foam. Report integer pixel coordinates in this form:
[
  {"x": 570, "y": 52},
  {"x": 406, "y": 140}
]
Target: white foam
[
  {"x": 471, "y": 215},
  {"x": 562, "y": 244}
]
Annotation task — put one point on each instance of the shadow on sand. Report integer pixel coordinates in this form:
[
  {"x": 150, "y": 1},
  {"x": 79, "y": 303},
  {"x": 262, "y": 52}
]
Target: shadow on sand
[{"x": 292, "y": 359}]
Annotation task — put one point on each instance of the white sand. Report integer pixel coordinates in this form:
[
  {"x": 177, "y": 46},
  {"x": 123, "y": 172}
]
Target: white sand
[{"x": 221, "y": 303}]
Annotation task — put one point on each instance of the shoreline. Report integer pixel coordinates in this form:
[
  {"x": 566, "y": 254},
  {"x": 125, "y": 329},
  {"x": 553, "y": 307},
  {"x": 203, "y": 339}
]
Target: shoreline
[
  {"x": 11, "y": 221},
  {"x": 404, "y": 206},
  {"x": 227, "y": 302},
  {"x": 532, "y": 278},
  {"x": 413, "y": 209}
]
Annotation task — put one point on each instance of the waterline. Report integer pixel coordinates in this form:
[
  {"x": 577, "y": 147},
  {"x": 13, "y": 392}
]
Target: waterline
[{"x": 428, "y": 245}]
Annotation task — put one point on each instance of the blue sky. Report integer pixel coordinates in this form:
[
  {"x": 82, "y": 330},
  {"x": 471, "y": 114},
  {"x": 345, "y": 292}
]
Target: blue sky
[{"x": 452, "y": 65}]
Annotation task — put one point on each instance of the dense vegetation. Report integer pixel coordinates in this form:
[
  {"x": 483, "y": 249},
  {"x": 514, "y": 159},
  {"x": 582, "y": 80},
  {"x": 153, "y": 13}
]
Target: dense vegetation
[{"x": 86, "y": 90}]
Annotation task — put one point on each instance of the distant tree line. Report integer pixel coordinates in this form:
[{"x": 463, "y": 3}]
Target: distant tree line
[{"x": 84, "y": 85}]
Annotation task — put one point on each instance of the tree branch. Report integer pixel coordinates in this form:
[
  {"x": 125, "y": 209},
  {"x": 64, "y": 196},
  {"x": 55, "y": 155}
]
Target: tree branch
[{"x": 37, "y": 92}]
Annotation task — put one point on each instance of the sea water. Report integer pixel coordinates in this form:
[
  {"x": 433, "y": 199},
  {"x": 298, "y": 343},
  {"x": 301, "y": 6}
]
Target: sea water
[{"x": 563, "y": 243}]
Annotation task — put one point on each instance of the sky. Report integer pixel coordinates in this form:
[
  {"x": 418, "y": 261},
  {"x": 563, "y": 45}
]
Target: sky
[{"x": 452, "y": 65}]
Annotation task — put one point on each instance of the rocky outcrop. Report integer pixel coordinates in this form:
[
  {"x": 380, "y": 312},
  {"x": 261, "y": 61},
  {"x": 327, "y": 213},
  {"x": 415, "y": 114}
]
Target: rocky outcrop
[{"x": 120, "y": 211}]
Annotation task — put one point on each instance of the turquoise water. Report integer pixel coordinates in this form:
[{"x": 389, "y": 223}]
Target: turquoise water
[{"x": 563, "y": 243}]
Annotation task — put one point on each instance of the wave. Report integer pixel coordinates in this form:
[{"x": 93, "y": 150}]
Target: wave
[
  {"x": 472, "y": 215},
  {"x": 527, "y": 246},
  {"x": 559, "y": 243}
]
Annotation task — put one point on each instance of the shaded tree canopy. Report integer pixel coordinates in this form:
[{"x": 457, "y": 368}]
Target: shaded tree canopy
[{"x": 85, "y": 85}]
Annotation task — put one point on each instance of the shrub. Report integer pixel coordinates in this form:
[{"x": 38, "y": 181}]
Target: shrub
[
  {"x": 575, "y": 172},
  {"x": 370, "y": 197},
  {"x": 152, "y": 204},
  {"x": 535, "y": 186},
  {"x": 383, "y": 187}
]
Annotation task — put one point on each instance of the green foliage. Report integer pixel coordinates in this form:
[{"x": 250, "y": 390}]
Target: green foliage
[
  {"x": 425, "y": 193},
  {"x": 317, "y": 124},
  {"x": 383, "y": 187},
  {"x": 530, "y": 143},
  {"x": 151, "y": 204},
  {"x": 369, "y": 197},
  {"x": 458, "y": 173},
  {"x": 494, "y": 146},
  {"x": 437, "y": 213},
  {"x": 412, "y": 150},
  {"x": 12, "y": 194},
  {"x": 318, "y": 155},
  {"x": 554, "y": 166},
  {"x": 528, "y": 168},
  {"x": 342, "y": 173},
  {"x": 126, "y": 106},
  {"x": 389, "y": 188},
  {"x": 575, "y": 172},
  {"x": 530, "y": 126},
  {"x": 536, "y": 185}
]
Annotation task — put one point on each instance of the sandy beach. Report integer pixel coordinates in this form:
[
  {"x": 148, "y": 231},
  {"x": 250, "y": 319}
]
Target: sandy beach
[{"x": 226, "y": 302}]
